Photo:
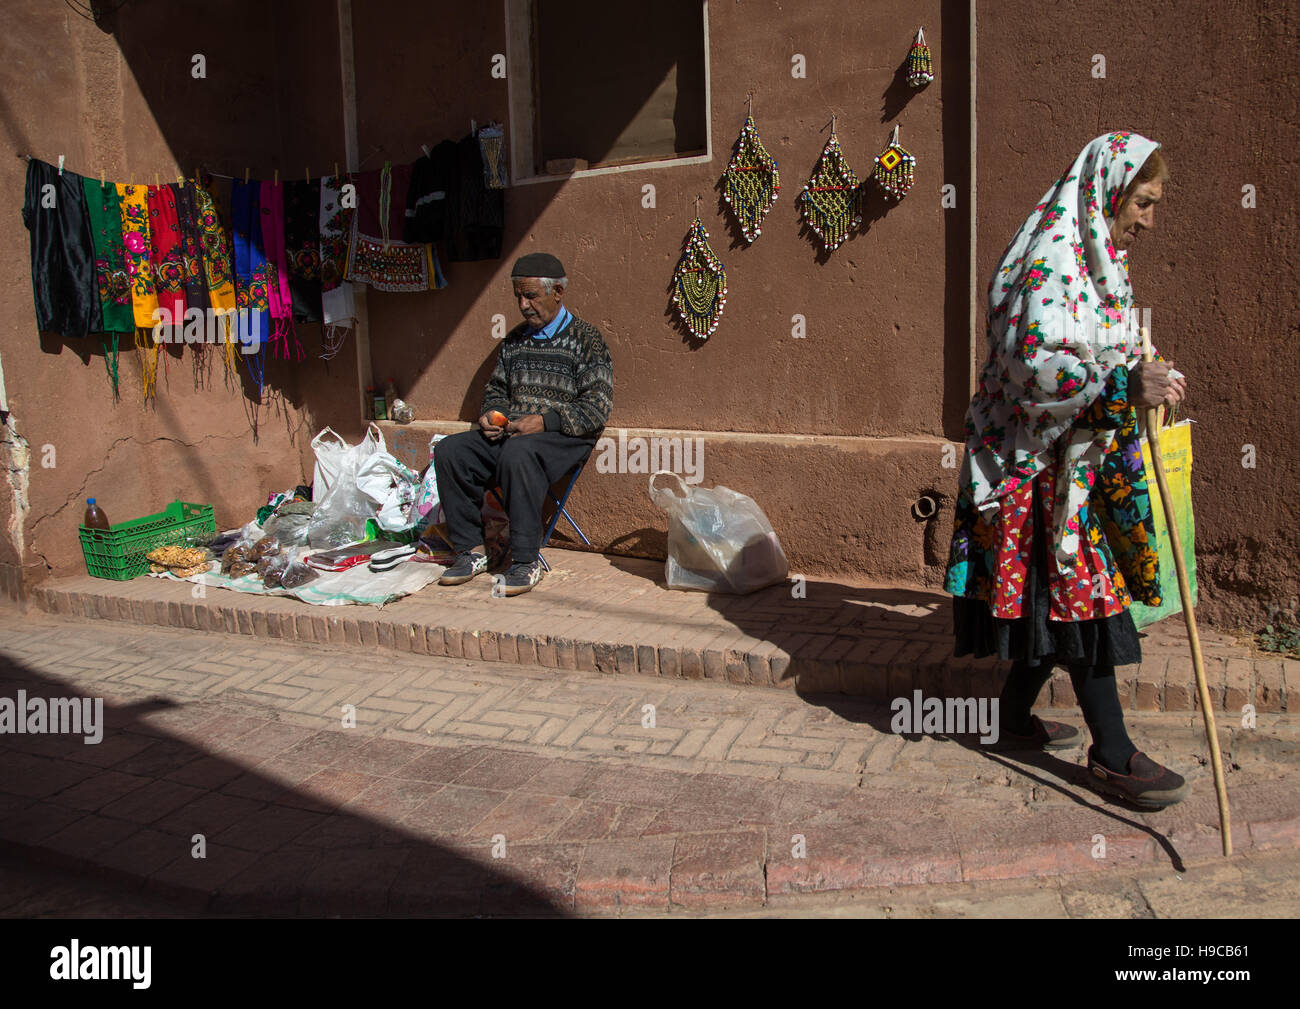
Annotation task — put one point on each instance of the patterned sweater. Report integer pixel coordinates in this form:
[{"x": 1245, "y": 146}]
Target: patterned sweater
[{"x": 568, "y": 379}]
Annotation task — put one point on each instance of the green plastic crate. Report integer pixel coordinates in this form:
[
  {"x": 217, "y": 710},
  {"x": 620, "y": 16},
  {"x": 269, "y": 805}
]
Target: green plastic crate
[{"x": 119, "y": 552}]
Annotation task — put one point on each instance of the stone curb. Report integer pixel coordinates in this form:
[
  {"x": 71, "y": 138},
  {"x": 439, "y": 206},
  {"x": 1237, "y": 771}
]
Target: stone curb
[{"x": 814, "y": 656}]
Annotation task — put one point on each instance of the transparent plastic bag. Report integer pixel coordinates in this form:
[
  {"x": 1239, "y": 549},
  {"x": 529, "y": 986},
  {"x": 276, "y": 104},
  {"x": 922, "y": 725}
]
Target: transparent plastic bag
[
  {"x": 289, "y": 528},
  {"x": 718, "y": 540}
]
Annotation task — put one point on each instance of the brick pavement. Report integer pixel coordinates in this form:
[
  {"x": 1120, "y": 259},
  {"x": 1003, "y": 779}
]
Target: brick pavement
[
  {"x": 736, "y": 797},
  {"x": 611, "y": 615}
]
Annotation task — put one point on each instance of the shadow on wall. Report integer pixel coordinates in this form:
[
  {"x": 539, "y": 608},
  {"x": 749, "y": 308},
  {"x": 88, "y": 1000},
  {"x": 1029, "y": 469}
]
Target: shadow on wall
[{"x": 123, "y": 813}]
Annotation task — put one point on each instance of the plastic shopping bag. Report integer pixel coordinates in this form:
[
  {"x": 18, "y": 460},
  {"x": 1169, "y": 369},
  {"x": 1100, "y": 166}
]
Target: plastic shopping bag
[
  {"x": 334, "y": 455},
  {"x": 1176, "y": 451},
  {"x": 391, "y": 487},
  {"x": 718, "y": 540},
  {"x": 342, "y": 511},
  {"x": 426, "y": 509}
]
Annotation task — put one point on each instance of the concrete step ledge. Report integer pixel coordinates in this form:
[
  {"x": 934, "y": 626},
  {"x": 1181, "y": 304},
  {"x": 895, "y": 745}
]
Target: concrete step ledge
[{"x": 613, "y": 615}]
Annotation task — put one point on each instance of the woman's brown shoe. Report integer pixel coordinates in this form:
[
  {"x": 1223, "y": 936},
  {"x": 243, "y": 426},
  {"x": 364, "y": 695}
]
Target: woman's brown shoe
[
  {"x": 1147, "y": 785},
  {"x": 1046, "y": 736}
]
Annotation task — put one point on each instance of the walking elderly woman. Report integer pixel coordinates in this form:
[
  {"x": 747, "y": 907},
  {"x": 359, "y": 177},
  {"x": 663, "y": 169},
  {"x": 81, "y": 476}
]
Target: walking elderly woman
[{"x": 1053, "y": 535}]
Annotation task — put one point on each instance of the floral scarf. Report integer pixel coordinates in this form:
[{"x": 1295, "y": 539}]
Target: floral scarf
[
  {"x": 193, "y": 279},
  {"x": 1059, "y": 323},
  {"x": 278, "y": 297},
  {"x": 166, "y": 254},
  {"x": 139, "y": 267},
  {"x": 104, "y": 208},
  {"x": 252, "y": 275}
]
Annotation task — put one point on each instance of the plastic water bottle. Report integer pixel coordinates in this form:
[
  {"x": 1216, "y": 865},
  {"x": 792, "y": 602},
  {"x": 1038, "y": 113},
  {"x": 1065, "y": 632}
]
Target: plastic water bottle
[{"x": 95, "y": 517}]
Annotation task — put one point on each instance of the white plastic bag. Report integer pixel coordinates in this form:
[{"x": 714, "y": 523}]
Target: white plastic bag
[
  {"x": 427, "y": 507},
  {"x": 718, "y": 540},
  {"x": 333, "y": 455},
  {"x": 342, "y": 511},
  {"x": 391, "y": 487}
]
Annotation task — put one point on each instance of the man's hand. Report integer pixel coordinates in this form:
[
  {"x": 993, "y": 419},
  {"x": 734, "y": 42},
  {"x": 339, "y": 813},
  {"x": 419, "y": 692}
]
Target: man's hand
[
  {"x": 490, "y": 430},
  {"x": 530, "y": 424},
  {"x": 1150, "y": 385}
]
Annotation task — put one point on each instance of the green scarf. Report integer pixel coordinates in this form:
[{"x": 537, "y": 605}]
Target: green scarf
[{"x": 105, "y": 214}]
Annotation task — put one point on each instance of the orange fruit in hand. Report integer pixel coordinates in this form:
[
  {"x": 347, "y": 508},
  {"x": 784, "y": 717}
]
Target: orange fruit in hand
[{"x": 498, "y": 418}]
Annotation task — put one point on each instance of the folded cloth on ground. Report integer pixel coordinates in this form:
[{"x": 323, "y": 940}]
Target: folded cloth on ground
[{"x": 355, "y": 586}]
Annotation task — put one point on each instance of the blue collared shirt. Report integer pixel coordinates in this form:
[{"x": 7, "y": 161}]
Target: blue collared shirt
[{"x": 561, "y": 320}]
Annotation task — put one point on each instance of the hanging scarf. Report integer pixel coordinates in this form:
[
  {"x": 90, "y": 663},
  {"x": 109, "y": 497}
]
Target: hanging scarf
[
  {"x": 218, "y": 268},
  {"x": 64, "y": 285},
  {"x": 104, "y": 209},
  {"x": 302, "y": 242},
  {"x": 194, "y": 281},
  {"x": 1058, "y": 325},
  {"x": 280, "y": 301},
  {"x": 144, "y": 297},
  {"x": 165, "y": 253},
  {"x": 252, "y": 276},
  {"x": 338, "y": 310},
  {"x": 376, "y": 258}
]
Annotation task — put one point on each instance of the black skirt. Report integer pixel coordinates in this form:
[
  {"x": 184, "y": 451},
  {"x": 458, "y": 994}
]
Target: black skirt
[{"x": 1034, "y": 637}]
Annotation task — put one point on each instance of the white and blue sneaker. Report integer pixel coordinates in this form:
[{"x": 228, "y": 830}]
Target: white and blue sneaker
[
  {"x": 468, "y": 565},
  {"x": 519, "y": 579}
]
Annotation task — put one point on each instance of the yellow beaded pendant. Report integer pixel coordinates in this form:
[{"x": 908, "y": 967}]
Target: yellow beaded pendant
[
  {"x": 895, "y": 169},
  {"x": 699, "y": 284},
  {"x": 752, "y": 181},
  {"x": 832, "y": 198}
]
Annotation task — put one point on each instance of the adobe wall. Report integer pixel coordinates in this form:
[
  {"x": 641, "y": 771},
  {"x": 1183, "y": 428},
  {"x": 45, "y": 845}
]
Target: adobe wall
[{"x": 128, "y": 104}]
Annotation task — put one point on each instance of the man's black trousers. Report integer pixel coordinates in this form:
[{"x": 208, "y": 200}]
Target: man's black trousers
[{"x": 524, "y": 466}]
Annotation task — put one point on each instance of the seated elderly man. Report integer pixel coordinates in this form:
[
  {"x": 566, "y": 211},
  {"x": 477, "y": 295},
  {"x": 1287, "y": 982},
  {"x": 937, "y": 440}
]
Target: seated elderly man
[{"x": 554, "y": 383}]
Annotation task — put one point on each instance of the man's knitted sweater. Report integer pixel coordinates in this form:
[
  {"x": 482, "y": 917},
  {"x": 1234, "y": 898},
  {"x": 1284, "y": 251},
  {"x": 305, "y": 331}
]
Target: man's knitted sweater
[{"x": 568, "y": 379}]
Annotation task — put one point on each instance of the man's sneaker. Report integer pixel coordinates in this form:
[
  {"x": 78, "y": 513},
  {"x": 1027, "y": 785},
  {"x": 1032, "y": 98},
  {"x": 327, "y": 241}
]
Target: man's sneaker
[
  {"x": 1045, "y": 736},
  {"x": 468, "y": 564},
  {"x": 519, "y": 579},
  {"x": 1147, "y": 785}
]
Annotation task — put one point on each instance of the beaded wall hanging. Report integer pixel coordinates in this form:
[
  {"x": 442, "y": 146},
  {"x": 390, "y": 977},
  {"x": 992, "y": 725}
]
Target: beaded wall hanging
[
  {"x": 752, "y": 181},
  {"x": 699, "y": 283},
  {"x": 832, "y": 199},
  {"x": 492, "y": 148},
  {"x": 895, "y": 169},
  {"x": 920, "y": 68}
]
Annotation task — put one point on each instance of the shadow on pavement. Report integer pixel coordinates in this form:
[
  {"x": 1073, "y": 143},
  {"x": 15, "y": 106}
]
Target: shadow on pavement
[{"x": 126, "y": 814}]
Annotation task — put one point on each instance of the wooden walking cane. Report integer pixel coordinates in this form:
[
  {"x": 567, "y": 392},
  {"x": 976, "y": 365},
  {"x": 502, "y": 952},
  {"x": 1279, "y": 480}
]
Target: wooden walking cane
[{"x": 1189, "y": 617}]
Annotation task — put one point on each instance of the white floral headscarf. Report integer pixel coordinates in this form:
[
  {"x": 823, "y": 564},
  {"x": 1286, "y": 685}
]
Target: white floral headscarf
[{"x": 1059, "y": 323}]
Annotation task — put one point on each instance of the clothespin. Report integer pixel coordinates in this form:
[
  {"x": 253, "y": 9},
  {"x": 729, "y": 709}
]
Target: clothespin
[
  {"x": 156, "y": 183},
  {"x": 101, "y": 178},
  {"x": 276, "y": 180},
  {"x": 473, "y": 127},
  {"x": 60, "y": 164},
  {"x": 180, "y": 177},
  {"x": 245, "y": 175},
  {"x": 307, "y": 174},
  {"x": 425, "y": 148}
]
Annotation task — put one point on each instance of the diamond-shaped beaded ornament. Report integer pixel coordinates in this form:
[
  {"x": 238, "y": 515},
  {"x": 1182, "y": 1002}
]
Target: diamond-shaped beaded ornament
[
  {"x": 832, "y": 199},
  {"x": 699, "y": 284},
  {"x": 752, "y": 181},
  {"x": 895, "y": 169}
]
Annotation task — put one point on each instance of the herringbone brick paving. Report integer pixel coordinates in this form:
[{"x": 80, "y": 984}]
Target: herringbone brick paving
[{"x": 241, "y": 740}]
